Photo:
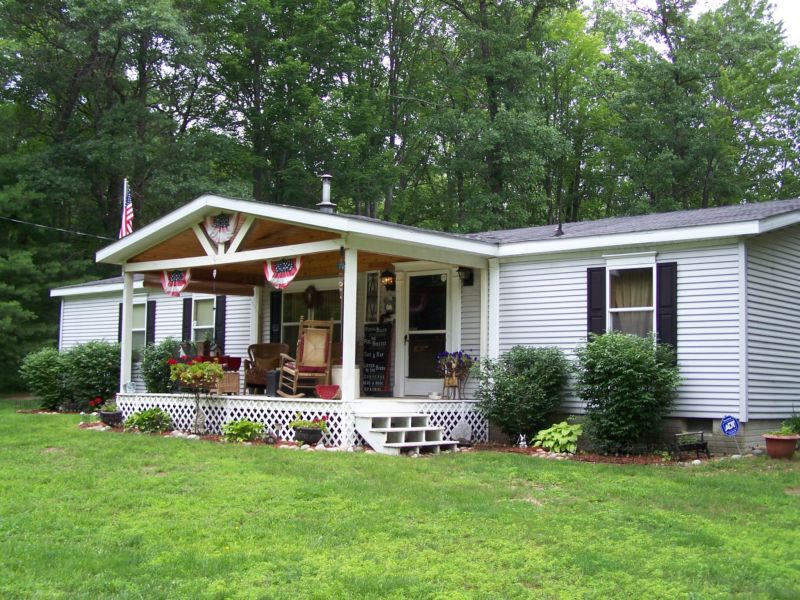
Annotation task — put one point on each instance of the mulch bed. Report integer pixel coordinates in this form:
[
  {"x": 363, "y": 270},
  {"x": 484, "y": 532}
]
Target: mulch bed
[{"x": 593, "y": 457}]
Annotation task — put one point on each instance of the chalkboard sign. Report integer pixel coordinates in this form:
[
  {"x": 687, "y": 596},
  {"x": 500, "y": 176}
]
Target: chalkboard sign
[{"x": 375, "y": 376}]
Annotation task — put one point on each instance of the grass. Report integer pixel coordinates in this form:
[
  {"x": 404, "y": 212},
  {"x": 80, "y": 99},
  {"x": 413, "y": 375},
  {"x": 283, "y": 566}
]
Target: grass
[{"x": 85, "y": 514}]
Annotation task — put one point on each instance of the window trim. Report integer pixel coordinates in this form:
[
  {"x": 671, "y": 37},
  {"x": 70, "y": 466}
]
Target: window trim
[
  {"x": 327, "y": 284},
  {"x": 143, "y": 329},
  {"x": 212, "y": 326},
  {"x": 623, "y": 262}
]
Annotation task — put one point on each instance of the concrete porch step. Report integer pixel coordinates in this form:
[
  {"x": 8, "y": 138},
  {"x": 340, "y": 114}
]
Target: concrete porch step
[{"x": 397, "y": 433}]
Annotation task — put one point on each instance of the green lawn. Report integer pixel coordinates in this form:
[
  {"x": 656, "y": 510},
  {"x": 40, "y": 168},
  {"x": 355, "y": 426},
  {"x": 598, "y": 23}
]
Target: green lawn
[{"x": 85, "y": 514}]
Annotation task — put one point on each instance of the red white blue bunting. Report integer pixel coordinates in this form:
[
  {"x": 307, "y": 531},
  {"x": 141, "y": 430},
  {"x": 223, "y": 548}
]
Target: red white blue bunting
[
  {"x": 221, "y": 228},
  {"x": 174, "y": 282},
  {"x": 282, "y": 271}
]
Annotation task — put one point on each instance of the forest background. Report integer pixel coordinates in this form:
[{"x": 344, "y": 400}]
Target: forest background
[{"x": 458, "y": 115}]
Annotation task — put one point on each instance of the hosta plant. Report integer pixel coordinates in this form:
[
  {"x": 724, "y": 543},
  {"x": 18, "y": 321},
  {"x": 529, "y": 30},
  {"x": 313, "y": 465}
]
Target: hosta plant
[
  {"x": 561, "y": 437},
  {"x": 151, "y": 420},
  {"x": 242, "y": 431}
]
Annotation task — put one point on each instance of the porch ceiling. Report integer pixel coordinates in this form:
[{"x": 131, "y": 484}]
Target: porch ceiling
[{"x": 238, "y": 278}]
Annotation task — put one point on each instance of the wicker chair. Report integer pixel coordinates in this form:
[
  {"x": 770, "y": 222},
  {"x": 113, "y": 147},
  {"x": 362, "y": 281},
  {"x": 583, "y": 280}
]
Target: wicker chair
[
  {"x": 313, "y": 363},
  {"x": 263, "y": 358}
]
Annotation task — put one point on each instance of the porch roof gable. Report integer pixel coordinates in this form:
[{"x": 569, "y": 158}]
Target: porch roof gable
[{"x": 360, "y": 228}]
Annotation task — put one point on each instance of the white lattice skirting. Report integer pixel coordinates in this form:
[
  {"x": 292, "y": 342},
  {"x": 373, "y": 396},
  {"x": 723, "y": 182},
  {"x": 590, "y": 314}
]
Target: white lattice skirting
[{"x": 277, "y": 413}]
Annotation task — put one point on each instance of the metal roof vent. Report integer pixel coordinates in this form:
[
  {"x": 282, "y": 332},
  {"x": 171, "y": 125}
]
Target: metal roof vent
[{"x": 326, "y": 205}]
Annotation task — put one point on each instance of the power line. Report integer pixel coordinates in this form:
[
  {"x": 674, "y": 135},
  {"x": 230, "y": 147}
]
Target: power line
[{"x": 100, "y": 237}]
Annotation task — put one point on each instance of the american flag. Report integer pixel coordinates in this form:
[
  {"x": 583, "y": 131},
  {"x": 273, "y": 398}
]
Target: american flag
[{"x": 126, "y": 228}]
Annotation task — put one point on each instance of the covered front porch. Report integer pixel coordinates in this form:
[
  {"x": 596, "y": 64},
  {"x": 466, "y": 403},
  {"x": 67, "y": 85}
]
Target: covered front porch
[{"x": 430, "y": 291}]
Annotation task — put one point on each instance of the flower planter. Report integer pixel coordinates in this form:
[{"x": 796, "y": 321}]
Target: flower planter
[
  {"x": 308, "y": 435},
  {"x": 112, "y": 419},
  {"x": 780, "y": 446}
]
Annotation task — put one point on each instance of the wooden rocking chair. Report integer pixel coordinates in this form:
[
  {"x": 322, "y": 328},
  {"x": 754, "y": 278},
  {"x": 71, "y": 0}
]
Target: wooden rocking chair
[{"x": 313, "y": 363}]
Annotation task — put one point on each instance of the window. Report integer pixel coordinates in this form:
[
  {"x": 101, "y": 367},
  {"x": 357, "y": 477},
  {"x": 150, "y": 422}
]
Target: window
[
  {"x": 630, "y": 301},
  {"x": 203, "y": 326},
  {"x": 326, "y": 307},
  {"x": 633, "y": 294},
  {"x": 139, "y": 326}
]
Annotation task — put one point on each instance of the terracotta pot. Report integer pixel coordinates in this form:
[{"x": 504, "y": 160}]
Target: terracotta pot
[{"x": 780, "y": 446}]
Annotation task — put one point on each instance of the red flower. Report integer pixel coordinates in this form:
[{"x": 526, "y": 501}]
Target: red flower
[
  {"x": 189, "y": 363},
  {"x": 324, "y": 417},
  {"x": 172, "y": 361}
]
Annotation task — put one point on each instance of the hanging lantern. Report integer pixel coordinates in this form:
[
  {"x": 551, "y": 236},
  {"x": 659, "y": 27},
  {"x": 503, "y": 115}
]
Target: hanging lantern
[{"x": 388, "y": 280}]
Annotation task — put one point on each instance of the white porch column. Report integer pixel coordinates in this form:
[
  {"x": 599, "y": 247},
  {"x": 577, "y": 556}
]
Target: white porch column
[
  {"x": 255, "y": 314},
  {"x": 349, "y": 316},
  {"x": 126, "y": 346},
  {"x": 400, "y": 332},
  {"x": 484, "y": 320},
  {"x": 494, "y": 308}
]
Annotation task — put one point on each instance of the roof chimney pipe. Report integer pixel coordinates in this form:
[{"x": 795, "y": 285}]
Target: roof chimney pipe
[{"x": 326, "y": 205}]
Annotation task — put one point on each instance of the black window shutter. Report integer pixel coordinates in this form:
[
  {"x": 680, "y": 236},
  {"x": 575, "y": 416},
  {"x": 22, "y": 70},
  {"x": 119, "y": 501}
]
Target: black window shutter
[
  {"x": 186, "y": 326},
  {"x": 150, "y": 330},
  {"x": 119, "y": 325},
  {"x": 667, "y": 303},
  {"x": 275, "y": 317},
  {"x": 219, "y": 323},
  {"x": 596, "y": 300}
]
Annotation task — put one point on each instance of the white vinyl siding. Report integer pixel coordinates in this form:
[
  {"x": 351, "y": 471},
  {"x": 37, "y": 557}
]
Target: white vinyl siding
[
  {"x": 543, "y": 303},
  {"x": 169, "y": 317},
  {"x": 87, "y": 318},
  {"x": 773, "y": 324},
  {"x": 709, "y": 334},
  {"x": 237, "y": 325},
  {"x": 471, "y": 324}
]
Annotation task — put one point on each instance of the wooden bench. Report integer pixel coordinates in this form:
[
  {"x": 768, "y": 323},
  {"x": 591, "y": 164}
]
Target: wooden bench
[{"x": 691, "y": 440}]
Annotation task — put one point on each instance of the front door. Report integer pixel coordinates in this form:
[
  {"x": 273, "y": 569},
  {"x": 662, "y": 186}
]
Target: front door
[{"x": 427, "y": 332}]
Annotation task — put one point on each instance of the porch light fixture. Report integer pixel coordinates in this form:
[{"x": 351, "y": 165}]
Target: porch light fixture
[
  {"x": 388, "y": 280},
  {"x": 466, "y": 275}
]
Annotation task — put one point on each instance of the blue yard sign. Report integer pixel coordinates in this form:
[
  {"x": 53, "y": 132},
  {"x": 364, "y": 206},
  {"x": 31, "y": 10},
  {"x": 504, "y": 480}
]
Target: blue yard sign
[{"x": 729, "y": 425}]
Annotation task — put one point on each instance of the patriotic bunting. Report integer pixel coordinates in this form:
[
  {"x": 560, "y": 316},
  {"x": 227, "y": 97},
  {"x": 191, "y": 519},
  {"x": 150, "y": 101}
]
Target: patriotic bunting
[
  {"x": 174, "y": 282},
  {"x": 281, "y": 272},
  {"x": 221, "y": 228}
]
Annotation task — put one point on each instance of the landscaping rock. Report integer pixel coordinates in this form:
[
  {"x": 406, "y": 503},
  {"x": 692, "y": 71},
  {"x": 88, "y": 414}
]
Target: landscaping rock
[
  {"x": 192, "y": 436},
  {"x": 758, "y": 452},
  {"x": 697, "y": 461},
  {"x": 736, "y": 456},
  {"x": 320, "y": 448}
]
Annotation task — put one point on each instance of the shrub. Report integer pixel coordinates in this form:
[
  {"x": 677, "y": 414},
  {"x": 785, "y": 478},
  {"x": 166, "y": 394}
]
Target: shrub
[
  {"x": 628, "y": 383},
  {"x": 42, "y": 373},
  {"x": 518, "y": 391},
  {"x": 151, "y": 420},
  {"x": 793, "y": 423},
  {"x": 155, "y": 370},
  {"x": 561, "y": 437},
  {"x": 90, "y": 370},
  {"x": 242, "y": 431}
]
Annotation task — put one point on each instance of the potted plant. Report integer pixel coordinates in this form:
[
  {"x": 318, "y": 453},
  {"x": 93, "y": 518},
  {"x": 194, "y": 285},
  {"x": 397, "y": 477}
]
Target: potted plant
[
  {"x": 309, "y": 431},
  {"x": 454, "y": 368},
  {"x": 781, "y": 443},
  {"x": 110, "y": 414},
  {"x": 197, "y": 375}
]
